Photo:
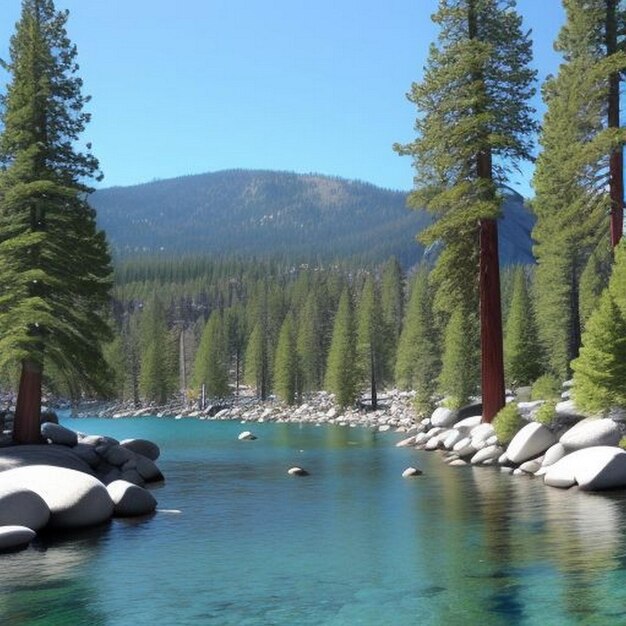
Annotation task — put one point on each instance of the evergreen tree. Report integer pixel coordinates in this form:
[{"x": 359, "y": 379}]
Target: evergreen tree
[
  {"x": 235, "y": 323},
  {"x": 341, "y": 372},
  {"x": 257, "y": 366},
  {"x": 157, "y": 372},
  {"x": 594, "y": 279},
  {"x": 474, "y": 124},
  {"x": 371, "y": 340},
  {"x": 211, "y": 363},
  {"x": 418, "y": 359},
  {"x": 310, "y": 344},
  {"x": 287, "y": 378},
  {"x": 572, "y": 173},
  {"x": 522, "y": 356},
  {"x": 392, "y": 296},
  {"x": 54, "y": 265},
  {"x": 457, "y": 380}
]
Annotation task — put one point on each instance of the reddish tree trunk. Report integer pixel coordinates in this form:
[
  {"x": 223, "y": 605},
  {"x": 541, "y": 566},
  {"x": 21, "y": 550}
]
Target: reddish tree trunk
[
  {"x": 491, "y": 362},
  {"x": 27, "y": 423},
  {"x": 616, "y": 163}
]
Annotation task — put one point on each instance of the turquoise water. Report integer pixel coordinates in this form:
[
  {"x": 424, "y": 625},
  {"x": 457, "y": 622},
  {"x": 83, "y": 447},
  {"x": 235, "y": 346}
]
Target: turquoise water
[{"x": 353, "y": 543}]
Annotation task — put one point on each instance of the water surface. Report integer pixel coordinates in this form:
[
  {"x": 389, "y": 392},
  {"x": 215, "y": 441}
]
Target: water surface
[{"x": 353, "y": 543}]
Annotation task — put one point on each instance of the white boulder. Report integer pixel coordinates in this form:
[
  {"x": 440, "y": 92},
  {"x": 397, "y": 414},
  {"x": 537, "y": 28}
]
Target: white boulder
[
  {"x": 529, "y": 442},
  {"x": 297, "y": 471},
  {"x": 23, "y": 507},
  {"x": 468, "y": 423},
  {"x": 75, "y": 499},
  {"x": 591, "y": 432},
  {"x": 246, "y": 435},
  {"x": 480, "y": 434},
  {"x": 411, "y": 471},
  {"x": 553, "y": 454},
  {"x": 490, "y": 453},
  {"x": 594, "y": 469},
  {"x": 530, "y": 467},
  {"x": 52, "y": 454},
  {"x": 409, "y": 441},
  {"x": 442, "y": 416},
  {"x": 130, "y": 500},
  {"x": 453, "y": 436},
  {"x": 55, "y": 433},
  {"x": 457, "y": 463},
  {"x": 14, "y": 537}
]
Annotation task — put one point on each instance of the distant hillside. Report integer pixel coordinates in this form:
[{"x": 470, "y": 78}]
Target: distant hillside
[{"x": 263, "y": 213}]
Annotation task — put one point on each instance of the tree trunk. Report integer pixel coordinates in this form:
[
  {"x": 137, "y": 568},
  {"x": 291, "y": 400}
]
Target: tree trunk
[
  {"x": 616, "y": 162},
  {"x": 27, "y": 423},
  {"x": 373, "y": 381}
]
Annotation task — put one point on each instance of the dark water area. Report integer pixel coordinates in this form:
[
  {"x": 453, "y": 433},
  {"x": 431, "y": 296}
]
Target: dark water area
[{"x": 238, "y": 541}]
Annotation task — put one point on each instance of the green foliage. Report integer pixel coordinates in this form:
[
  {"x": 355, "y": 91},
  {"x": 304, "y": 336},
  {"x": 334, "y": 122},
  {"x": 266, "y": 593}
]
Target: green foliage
[
  {"x": 257, "y": 365},
  {"x": 54, "y": 264},
  {"x": 571, "y": 177},
  {"x": 211, "y": 363},
  {"x": 507, "y": 423},
  {"x": 310, "y": 344},
  {"x": 594, "y": 279},
  {"x": 546, "y": 413},
  {"x": 341, "y": 369},
  {"x": 622, "y": 443},
  {"x": 287, "y": 377},
  {"x": 521, "y": 348},
  {"x": 392, "y": 297},
  {"x": 600, "y": 370},
  {"x": 546, "y": 387},
  {"x": 418, "y": 362},
  {"x": 460, "y": 363},
  {"x": 157, "y": 373}
]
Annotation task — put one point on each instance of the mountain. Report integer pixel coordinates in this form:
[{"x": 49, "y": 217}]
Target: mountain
[{"x": 264, "y": 213}]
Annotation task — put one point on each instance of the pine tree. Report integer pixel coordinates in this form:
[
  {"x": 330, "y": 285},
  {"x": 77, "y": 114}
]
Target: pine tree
[
  {"x": 257, "y": 365},
  {"x": 341, "y": 371},
  {"x": 310, "y": 344},
  {"x": 475, "y": 123},
  {"x": 287, "y": 378},
  {"x": 572, "y": 173},
  {"x": 54, "y": 263},
  {"x": 418, "y": 359},
  {"x": 211, "y": 363},
  {"x": 457, "y": 380},
  {"x": 392, "y": 296},
  {"x": 594, "y": 279},
  {"x": 522, "y": 355},
  {"x": 157, "y": 372},
  {"x": 235, "y": 323}
]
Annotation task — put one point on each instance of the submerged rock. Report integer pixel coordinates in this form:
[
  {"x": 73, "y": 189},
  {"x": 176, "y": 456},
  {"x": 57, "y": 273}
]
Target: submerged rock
[
  {"x": 411, "y": 471},
  {"x": 130, "y": 500},
  {"x": 246, "y": 435},
  {"x": 14, "y": 537},
  {"x": 297, "y": 471}
]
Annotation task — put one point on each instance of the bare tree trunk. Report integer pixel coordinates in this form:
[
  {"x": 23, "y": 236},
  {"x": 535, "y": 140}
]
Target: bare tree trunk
[
  {"x": 373, "y": 380},
  {"x": 27, "y": 422}
]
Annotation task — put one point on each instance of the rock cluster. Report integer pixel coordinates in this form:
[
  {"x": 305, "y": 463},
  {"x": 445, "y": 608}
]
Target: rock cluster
[
  {"x": 74, "y": 481},
  {"x": 585, "y": 454}
]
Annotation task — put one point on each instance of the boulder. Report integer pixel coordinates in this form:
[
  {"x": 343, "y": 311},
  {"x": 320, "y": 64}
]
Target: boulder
[
  {"x": 453, "y": 436},
  {"x": 96, "y": 440},
  {"x": 411, "y": 471},
  {"x": 553, "y": 454},
  {"x": 467, "y": 423},
  {"x": 443, "y": 417},
  {"x": 132, "y": 476},
  {"x": 490, "y": 453},
  {"x": 457, "y": 463},
  {"x": 470, "y": 410},
  {"x": 409, "y": 441},
  {"x": 144, "y": 447},
  {"x": 297, "y": 471},
  {"x": 148, "y": 470},
  {"x": 591, "y": 432},
  {"x": 246, "y": 435},
  {"x": 530, "y": 467},
  {"x": 481, "y": 433},
  {"x": 529, "y": 442},
  {"x": 88, "y": 454},
  {"x": 432, "y": 443},
  {"x": 48, "y": 415},
  {"x": 594, "y": 469},
  {"x": 52, "y": 454},
  {"x": 55, "y": 433},
  {"x": 14, "y": 537},
  {"x": 23, "y": 507},
  {"x": 118, "y": 455},
  {"x": 75, "y": 499},
  {"x": 130, "y": 500}
]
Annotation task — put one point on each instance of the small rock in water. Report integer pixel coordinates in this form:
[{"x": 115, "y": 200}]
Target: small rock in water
[
  {"x": 297, "y": 471},
  {"x": 411, "y": 471},
  {"x": 246, "y": 435}
]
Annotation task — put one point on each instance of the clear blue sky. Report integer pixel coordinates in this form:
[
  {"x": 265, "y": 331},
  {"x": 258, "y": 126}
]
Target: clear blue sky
[{"x": 203, "y": 85}]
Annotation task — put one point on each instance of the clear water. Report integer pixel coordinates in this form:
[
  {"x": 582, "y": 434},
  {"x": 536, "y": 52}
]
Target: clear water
[{"x": 353, "y": 543}]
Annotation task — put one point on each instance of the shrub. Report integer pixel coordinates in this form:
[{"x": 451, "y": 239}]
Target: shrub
[
  {"x": 546, "y": 413},
  {"x": 507, "y": 422},
  {"x": 546, "y": 387},
  {"x": 622, "y": 443}
]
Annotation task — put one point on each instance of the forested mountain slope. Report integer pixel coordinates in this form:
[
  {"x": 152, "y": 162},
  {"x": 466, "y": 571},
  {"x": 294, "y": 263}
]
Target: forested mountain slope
[{"x": 265, "y": 213}]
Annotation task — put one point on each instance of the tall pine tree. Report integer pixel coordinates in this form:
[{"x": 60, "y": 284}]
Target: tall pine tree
[
  {"x": 54, "y": 264},
  {"x": 211, "y": 363},
  {"x": 475, "y": 123}
]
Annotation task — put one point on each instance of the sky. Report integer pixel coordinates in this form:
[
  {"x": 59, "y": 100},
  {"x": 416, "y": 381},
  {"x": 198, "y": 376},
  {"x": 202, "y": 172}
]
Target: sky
[{"x": 195, "y": 86}]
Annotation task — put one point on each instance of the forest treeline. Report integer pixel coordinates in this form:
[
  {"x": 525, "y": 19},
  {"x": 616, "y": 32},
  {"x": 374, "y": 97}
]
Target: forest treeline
[{"x": 291, "y": 330}]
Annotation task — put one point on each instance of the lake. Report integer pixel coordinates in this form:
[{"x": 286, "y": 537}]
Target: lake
[{"x": 238, "y": 541}]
